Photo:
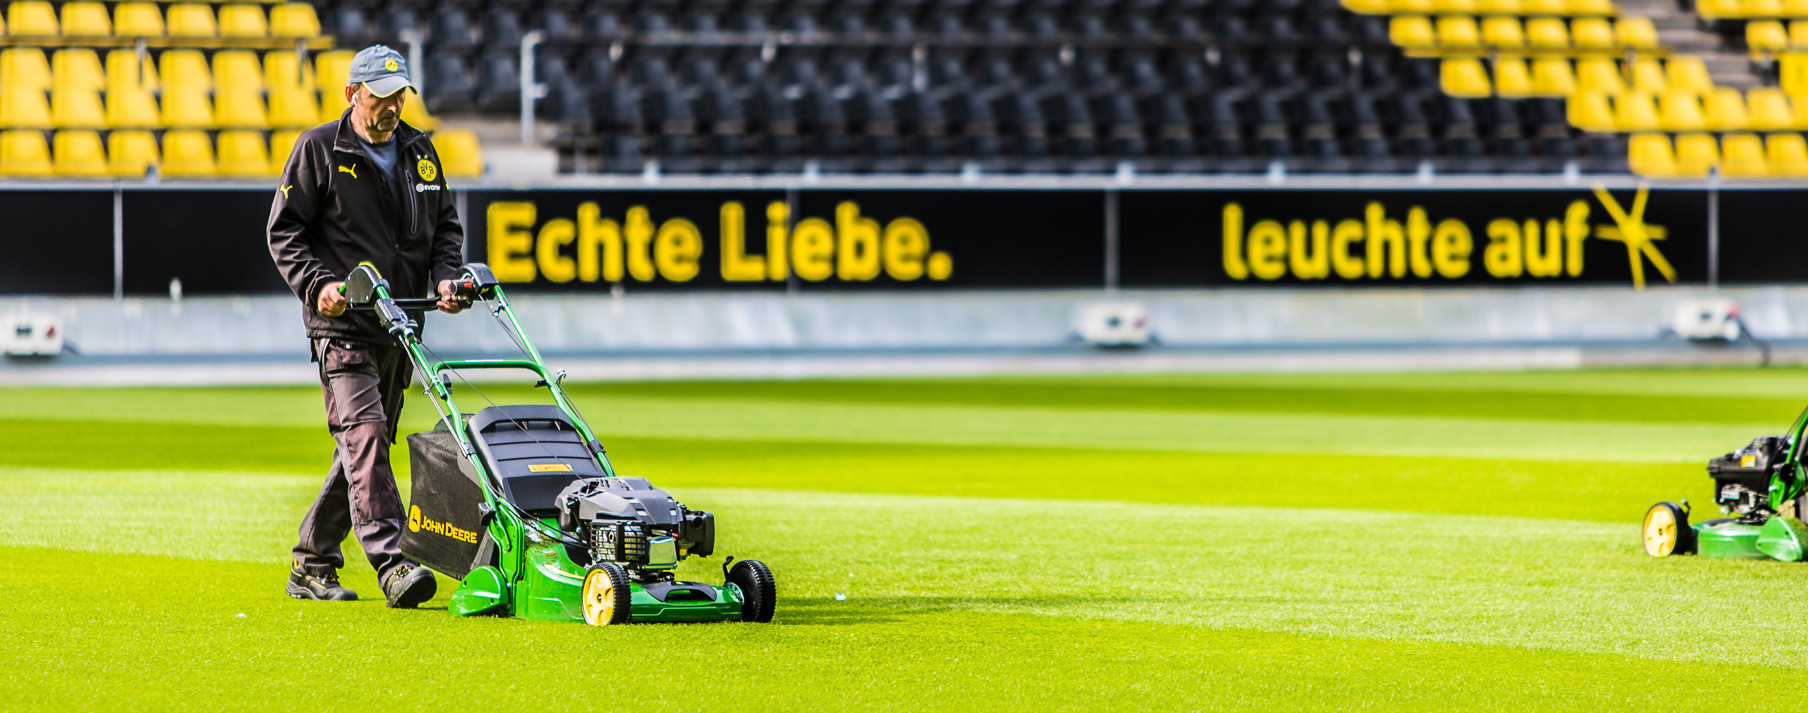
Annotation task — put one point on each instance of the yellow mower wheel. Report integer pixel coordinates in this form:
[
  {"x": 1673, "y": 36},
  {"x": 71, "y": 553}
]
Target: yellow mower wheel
[
  {"x": 1667, "y": 531},
  {"x": 605, "y": 597}
]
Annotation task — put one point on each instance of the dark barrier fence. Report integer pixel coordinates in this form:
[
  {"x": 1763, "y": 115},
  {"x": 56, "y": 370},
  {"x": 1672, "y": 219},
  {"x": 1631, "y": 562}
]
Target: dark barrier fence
[{"x": 136, "y": 241}]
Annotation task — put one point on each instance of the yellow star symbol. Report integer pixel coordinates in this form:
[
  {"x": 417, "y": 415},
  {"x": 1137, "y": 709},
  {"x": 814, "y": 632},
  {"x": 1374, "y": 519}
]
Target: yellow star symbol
[{"x": 1635, "y": 233}]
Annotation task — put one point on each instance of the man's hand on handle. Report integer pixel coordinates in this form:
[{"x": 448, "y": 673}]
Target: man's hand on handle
[
  {"x": 331, "y": 301},
  {"x": 448, "y": 298}
]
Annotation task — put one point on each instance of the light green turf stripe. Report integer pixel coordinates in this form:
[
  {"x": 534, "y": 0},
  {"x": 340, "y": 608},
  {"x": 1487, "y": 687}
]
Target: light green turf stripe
[{"x": 1573, "y": 586}]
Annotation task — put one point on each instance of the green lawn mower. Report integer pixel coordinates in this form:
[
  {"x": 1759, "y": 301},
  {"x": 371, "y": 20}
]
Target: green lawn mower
[
  {"x": 1759, "y": 489},
  {"x": 521, "y": 505}
]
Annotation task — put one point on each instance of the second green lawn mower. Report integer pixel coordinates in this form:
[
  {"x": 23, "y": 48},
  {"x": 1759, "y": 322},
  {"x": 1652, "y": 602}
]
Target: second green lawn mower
[
  {"x": 522, "y": 506},
  {"x": 1760, "y": 493}
]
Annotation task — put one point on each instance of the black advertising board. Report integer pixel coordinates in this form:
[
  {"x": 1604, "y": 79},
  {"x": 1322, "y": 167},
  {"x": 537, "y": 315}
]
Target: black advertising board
[
  {"x": 829, "y": 239},
  {"x": 1764, "y": 235},
  {"x": 1423, "y": 238},
  {"x": 213, "y": 241},
  {"x": 56, "y": 242}
]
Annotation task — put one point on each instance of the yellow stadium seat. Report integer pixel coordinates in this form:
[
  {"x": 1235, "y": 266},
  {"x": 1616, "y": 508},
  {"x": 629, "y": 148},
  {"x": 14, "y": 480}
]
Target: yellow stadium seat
[
  {"x": 1795, "y": 8},
  {"x": 1599, "y": 75},
  {"x": 1411, "y": 31},
  {"x": 32, "y": 18},
  {"x": 77, "y": 69},
  {"x": 1651, "y": 155},
  {"x": 2, "y": 25},
  {"x": 1762, "y": 8},
  {"x": 25, "y": 154},
  {"x": 1635, "y": 112},
  {"x": 1453, "y": 7},
  {"x": 1511, "y": 78},
  {"x": 1415, "y": 7},
  {"x": 79, "y": 155},
  {"x": 1681, "y": 111},
  {"x": 130, "y": 154},
  {"x": 1798, "y": 35},
  {"x": 292, "y": 108},
  {"x": 1798, "y": 113},
  {"x": 295, "y": 19},
  {"x": 1719, "y": 9},
  {"x": 1544, "y": 7},
  {"x": 125, "y": 69},
  {"x": 191, "y": 20},
  {"x": 1464, "y": 77},
  {"x": 243, "y": 20},
  {"x": 25, "y": 68},
  {"x": 1688, "y": 73},
  {"x": 333, "y": 69},
  {"x": 132, "y": 107},
  {"x": 1648, "y": 76},
  {"x": 282, "y": 143},
  {"x": 188, "y": 154},
  {"x": 1768, "y": 110},
  {"x": 1366, "y": 7},
  {"x": 1504, "y": 32},
  {"x": 240, "y": 108},
  {"x": 333, "y": 106},
  {"x": 187, "y": 108},
  {"x": 24, "y": 108},
  {"x": 1743, "y": 156},
  {"x": 1636, "y": 32},
  {"x": 1726, "y": 111},
  {"x": 1553, "y": 77},
  {"x": 185, "y": 69},
  {"x": 1696, "y": 154},
  {"x": 1589, "y": 7},
  {"x": 1500, "y": 7},
  {"x": 242, "y": 155},
  {"x": 459, "y": 154},
  {"x": 77, "y": 109},
  {"x": 1458, "y": 32},
  {"x": 414, "y": 113},
  {"x": 284, "y": 69},
  {"x": 1592, "y": 33},
  {"x": 1766, "y": 36},
  {"x": 237, "y": 69},
  {"x": 1787, "y": 155},
  {"x": 137, "y": 19},
  {"x": 1547, "y": 33},
  {"x": 86, "y": 19},
  {"x": 1589, "y": 111}
]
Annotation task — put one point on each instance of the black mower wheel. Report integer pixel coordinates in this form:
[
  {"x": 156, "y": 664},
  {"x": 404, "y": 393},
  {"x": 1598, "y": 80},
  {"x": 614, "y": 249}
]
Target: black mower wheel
[
  {"x": 605, "y": 597},
  {"x": 1667, "y": 531},
  {"x": 759, "y": 594}
]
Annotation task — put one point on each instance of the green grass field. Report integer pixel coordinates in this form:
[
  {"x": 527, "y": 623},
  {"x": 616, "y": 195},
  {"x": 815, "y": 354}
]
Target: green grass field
[{"x": 1284, "y": 542}]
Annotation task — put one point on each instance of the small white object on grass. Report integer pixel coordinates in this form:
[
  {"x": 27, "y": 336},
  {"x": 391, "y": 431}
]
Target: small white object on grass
[
  {"x": 240, "y": 616},
  {"x": 841, "y": 596}
]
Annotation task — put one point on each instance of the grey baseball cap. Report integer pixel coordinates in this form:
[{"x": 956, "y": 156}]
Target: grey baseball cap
[{"x": 380, "y": 69}]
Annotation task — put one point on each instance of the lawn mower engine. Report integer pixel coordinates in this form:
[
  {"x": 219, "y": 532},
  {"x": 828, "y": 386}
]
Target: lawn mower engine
[
  {"x": 627, "y": 521},
  {"x": 1742, "y": 479}
]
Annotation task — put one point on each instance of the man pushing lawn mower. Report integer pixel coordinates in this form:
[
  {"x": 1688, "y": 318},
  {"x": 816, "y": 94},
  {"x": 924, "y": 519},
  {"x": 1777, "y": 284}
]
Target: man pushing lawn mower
[{"x": 365, "y": 188}]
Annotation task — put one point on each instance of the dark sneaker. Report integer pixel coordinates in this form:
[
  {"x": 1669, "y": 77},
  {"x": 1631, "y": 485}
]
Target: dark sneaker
[
  {"x": 409, "y": 585},
  {"x": 321, "y": 588}
]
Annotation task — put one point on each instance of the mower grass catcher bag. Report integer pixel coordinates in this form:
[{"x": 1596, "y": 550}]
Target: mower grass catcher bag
[{"x": 443, "y": 518}]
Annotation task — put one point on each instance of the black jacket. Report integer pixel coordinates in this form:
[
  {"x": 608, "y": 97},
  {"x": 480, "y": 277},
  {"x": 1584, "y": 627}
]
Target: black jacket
[{"x": 334, "y": 209}]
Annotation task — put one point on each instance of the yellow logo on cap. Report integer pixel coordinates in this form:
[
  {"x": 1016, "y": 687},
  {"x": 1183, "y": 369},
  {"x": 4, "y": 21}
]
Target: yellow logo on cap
[
  {"x": 389, "y": 64},
  {"x": 427, "y": 170}
]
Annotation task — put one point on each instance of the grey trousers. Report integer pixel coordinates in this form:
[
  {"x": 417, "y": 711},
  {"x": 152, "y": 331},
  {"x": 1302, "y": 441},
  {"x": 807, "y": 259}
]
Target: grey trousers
[{"x": 363, "y": 385}]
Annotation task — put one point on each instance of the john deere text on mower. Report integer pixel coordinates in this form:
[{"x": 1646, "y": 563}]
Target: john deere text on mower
[
  {"x": 1760, "y": 490},
  {"x": 521, "y": 504}
]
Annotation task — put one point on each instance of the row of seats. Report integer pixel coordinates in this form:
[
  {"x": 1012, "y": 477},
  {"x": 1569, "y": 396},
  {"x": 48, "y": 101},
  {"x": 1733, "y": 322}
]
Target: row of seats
[
  {"x": 1763, "y": 36},
  {"x": 1484, "y": 7},
  {"x": 1463, "y": 32},
  {"x": 1514, "y": 76},
  {"x": 189, "y": 20},
  {"x": 1751, "y": 9},
  {"x": 1764, "y": 109},
  {"x": 183, "y": 154},
  {"x": 1734, "y": 155},
  {"x": 238, "y": 89}
]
